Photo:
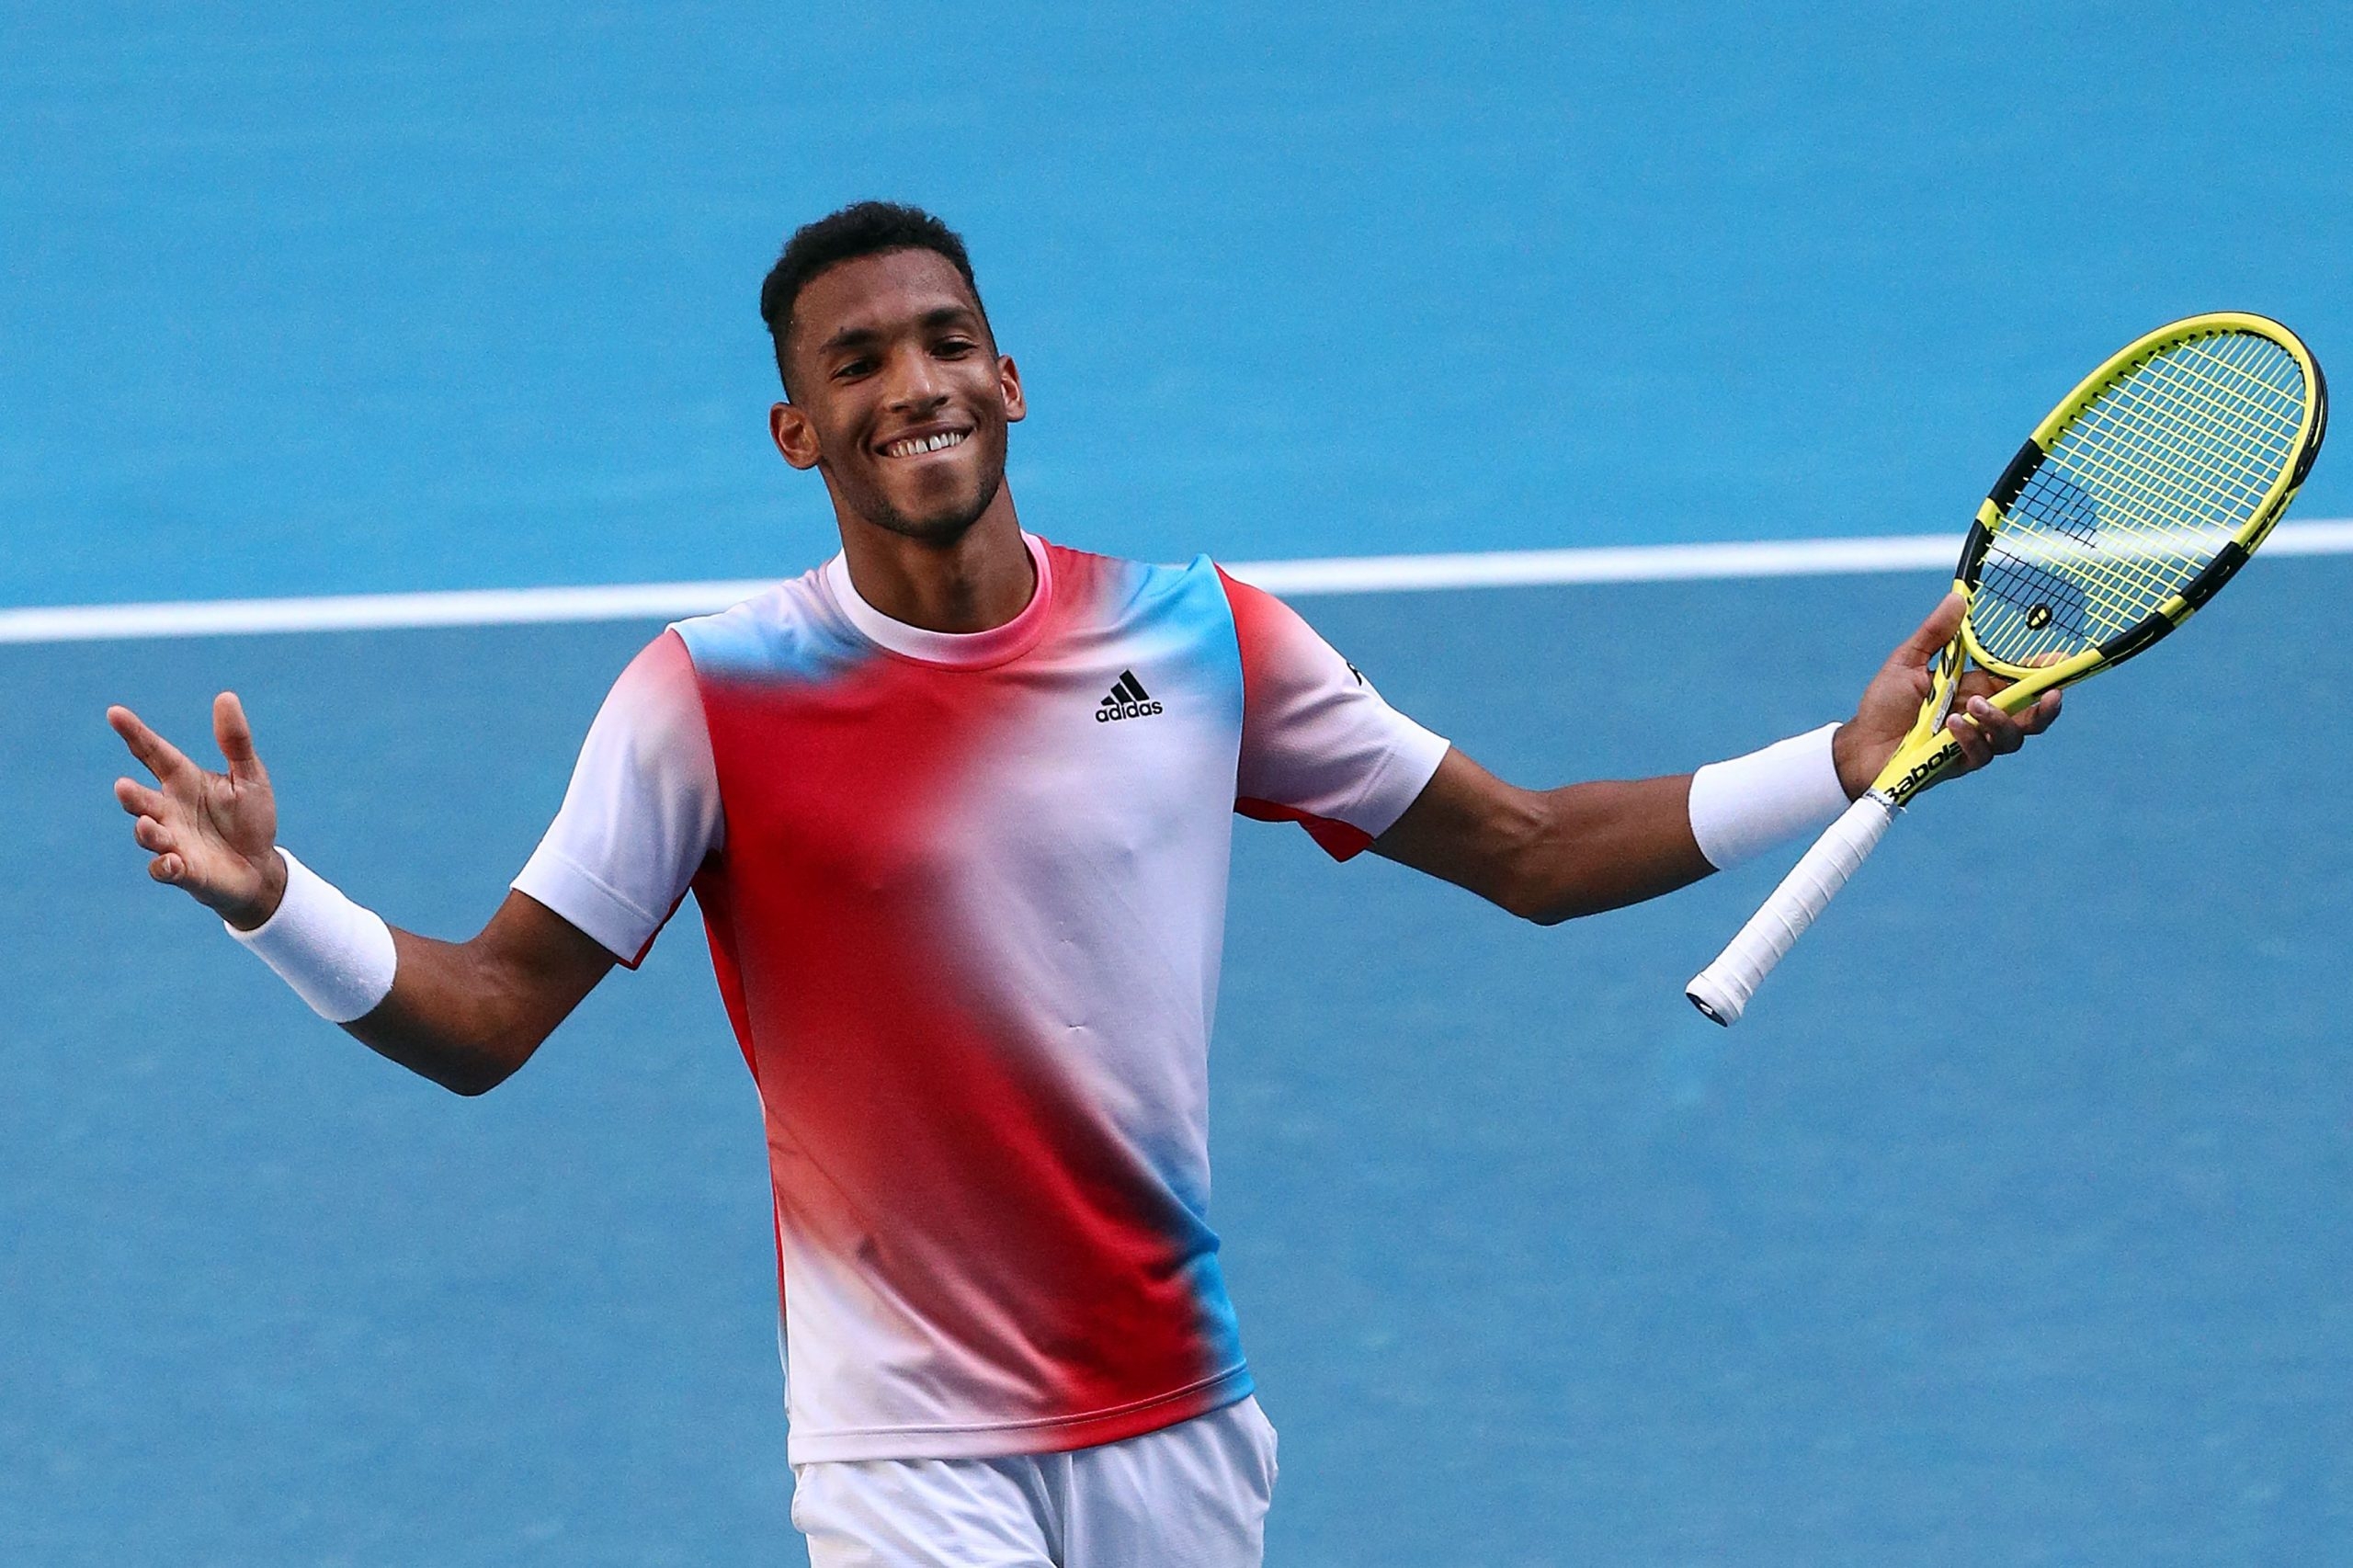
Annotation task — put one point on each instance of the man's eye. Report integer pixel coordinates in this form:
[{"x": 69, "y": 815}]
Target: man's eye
[
  {"x": 956, "y": 346},
  {"x": 850, "y": 369}
]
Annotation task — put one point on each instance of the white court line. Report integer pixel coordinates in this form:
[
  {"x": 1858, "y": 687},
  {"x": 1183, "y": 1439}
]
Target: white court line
[{"x": 1338, "y": 574}]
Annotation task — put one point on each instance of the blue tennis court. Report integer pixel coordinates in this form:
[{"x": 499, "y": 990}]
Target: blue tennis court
[{"x": 2013, "y": 1225}]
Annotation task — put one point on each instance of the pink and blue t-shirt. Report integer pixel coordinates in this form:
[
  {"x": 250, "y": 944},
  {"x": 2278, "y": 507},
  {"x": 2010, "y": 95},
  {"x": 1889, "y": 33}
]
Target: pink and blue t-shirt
[{"x": 965, "y": 896}]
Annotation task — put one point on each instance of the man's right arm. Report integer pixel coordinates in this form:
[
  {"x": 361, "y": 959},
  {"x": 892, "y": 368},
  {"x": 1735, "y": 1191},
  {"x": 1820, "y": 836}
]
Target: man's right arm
[
  {"x": 463, "y": 1014},
  {"x": 467, "y": 1014}
]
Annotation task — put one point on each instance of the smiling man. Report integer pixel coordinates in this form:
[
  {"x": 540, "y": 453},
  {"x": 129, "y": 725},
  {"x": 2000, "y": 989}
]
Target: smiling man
[{"x": 956, "y": 808}]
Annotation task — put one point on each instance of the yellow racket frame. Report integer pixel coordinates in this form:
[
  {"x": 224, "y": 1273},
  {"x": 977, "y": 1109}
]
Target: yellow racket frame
[{"x": 1928, "y": 752}]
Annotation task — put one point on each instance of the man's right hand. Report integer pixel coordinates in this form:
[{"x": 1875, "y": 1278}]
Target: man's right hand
[
  {"x": 213, "y": 835},
  {"x": 463, "y": 1014}
]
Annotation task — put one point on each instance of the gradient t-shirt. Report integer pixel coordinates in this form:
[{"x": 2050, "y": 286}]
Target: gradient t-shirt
[{"x": 966, "y": 896}]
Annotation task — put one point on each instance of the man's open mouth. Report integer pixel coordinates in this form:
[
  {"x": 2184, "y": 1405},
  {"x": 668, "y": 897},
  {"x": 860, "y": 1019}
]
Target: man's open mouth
[{"x": 915, "y": 445}]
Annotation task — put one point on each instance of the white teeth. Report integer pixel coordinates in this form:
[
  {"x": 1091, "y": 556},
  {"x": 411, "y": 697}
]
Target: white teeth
[{"x": 911, "y": 446}]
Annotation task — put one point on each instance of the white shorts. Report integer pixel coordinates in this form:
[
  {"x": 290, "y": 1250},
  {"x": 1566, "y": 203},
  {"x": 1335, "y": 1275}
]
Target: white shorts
[{"x": 1191, "y": 1495}]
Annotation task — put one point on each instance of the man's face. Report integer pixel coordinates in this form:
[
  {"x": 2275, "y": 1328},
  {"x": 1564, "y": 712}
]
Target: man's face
[{"x": 899, "y": 397}]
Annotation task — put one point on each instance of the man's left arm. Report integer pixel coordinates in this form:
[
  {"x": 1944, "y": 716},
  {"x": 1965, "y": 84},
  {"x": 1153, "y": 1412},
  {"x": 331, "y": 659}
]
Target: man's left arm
[{"x": 1550, "y": 855}]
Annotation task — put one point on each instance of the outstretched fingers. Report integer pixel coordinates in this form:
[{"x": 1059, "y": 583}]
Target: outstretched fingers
[
  {"x": 204, "y": 832},
  {"x": 159, "y": 757}
]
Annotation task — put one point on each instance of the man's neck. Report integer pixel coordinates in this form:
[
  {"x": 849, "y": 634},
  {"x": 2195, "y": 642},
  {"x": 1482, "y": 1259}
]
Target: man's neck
[{"x": 976, "y": 581}]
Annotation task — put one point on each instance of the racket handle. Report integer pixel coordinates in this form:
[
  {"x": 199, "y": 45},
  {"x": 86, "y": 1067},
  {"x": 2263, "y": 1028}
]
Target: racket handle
[{"x": 1722, "y": 989}]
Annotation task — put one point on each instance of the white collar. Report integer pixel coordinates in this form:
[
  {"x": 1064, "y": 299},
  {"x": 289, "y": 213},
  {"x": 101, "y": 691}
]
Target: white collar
[{"x": 962, "y": 648}]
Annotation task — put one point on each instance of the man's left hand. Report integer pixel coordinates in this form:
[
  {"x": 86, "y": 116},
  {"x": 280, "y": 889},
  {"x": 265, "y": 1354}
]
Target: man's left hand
[{"x": 1892, "y": 701}]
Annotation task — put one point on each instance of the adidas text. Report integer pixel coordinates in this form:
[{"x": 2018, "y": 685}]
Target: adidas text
[{"x": 1129, "y": 699}]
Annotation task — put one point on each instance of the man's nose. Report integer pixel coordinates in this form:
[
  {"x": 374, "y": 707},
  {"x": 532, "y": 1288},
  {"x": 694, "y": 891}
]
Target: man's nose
[{"x": 915, "y": 385}]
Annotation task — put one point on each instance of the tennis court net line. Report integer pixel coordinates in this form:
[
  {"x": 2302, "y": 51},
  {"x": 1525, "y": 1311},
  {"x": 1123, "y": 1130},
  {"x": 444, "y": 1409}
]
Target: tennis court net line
[{"x": 1336, "y": 575}]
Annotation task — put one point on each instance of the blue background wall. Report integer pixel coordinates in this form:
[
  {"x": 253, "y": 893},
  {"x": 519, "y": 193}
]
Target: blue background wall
[{"x": 304, "y": 299}]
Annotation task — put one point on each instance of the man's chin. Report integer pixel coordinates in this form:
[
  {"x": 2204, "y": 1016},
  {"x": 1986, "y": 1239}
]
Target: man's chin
[
  {"x": 938, "y": 523},
  {"x": 930, "y": 530}
]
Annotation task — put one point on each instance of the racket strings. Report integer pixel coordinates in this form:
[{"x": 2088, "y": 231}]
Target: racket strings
[
  {"x": 2174, "y": 426},
  {"x": 2141, "y": 490},
  {"x": 2179, "y": 427},
  {"x": 2178, "y": 443}
]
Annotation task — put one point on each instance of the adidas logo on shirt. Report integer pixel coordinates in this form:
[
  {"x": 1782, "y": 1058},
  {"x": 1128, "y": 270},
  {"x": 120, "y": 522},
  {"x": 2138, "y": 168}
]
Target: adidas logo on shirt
[{"x": 1128, "y": 700}]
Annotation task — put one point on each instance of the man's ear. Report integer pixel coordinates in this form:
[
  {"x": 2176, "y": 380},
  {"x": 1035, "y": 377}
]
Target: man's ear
[
  {"x": 793, "y": 435},
  {"x": 1009, "y": 380}
]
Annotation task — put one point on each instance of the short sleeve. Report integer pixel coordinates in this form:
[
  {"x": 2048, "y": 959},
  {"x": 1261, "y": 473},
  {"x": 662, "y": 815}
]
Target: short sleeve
[
  {"x": 642, "y": 810},
  {"x": 1319, "y": 745}
]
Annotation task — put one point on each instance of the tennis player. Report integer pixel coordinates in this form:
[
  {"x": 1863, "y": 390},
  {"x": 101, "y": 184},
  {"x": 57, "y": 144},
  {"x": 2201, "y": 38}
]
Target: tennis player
[{"x": 956, "y": 808}]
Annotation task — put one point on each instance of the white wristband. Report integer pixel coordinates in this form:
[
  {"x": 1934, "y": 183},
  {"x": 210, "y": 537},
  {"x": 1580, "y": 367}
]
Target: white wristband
[
  {"x": 1745, "y": 806},
  {"x": 337, "y": 957}
]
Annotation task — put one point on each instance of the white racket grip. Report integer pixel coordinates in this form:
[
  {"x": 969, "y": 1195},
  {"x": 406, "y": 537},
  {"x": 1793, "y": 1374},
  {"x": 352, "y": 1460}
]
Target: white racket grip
[{"x": 1722, "y": 989}]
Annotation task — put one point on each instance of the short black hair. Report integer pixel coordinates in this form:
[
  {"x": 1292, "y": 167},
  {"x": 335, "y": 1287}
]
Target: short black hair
[{"x": 863, "y": 228}]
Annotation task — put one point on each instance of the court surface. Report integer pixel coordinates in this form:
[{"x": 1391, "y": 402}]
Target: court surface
[{"x": 1949, "y": 1255}]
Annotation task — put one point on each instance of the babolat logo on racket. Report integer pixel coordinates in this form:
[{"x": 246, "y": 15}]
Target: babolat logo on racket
[
  {"x": 1128, "y": 700},
  {"x": 1909, "y": 785}
]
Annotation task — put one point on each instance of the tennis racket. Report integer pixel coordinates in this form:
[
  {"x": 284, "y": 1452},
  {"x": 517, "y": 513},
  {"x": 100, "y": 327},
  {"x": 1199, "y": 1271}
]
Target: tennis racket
[{"x": 2128, "y": 509}]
